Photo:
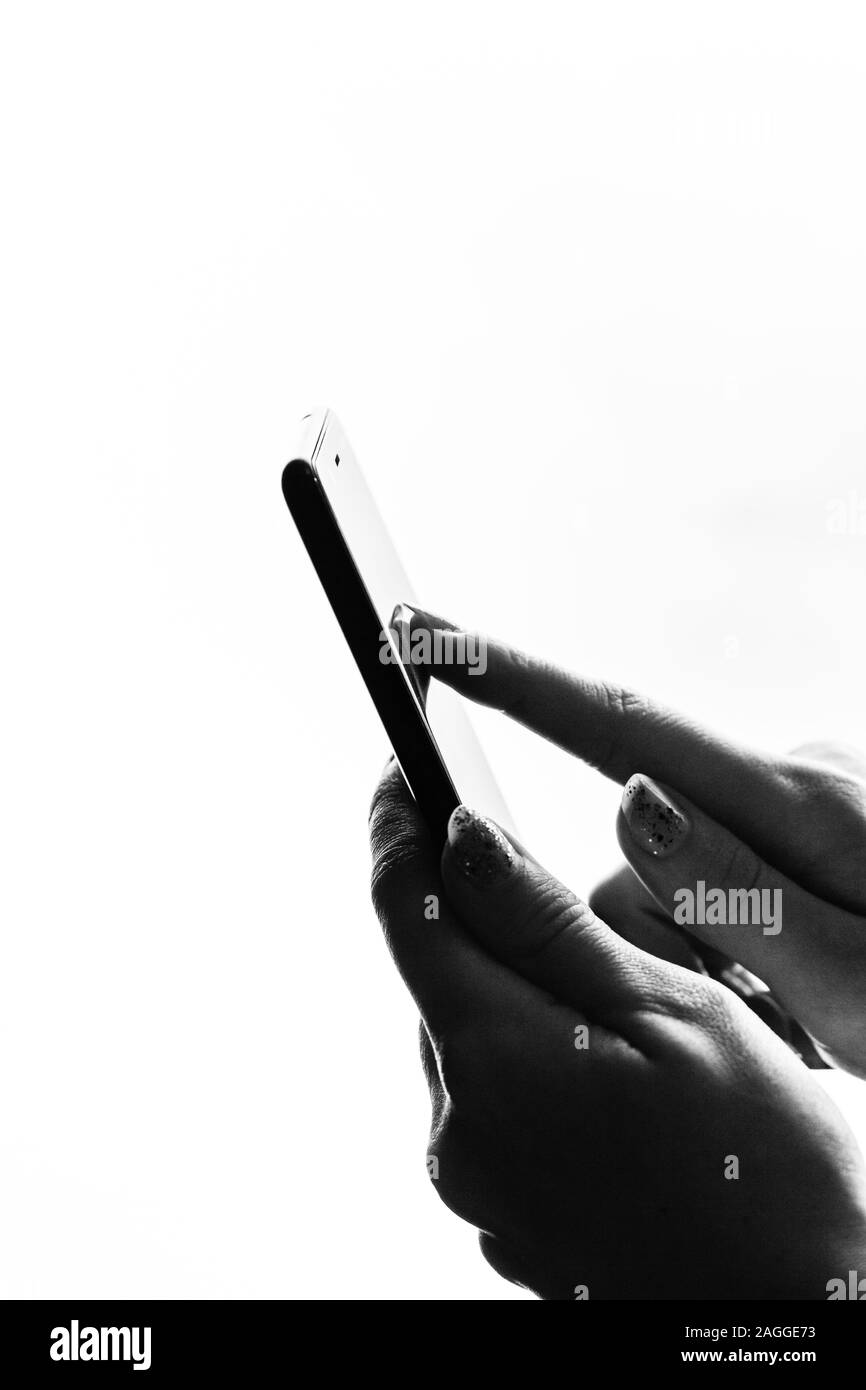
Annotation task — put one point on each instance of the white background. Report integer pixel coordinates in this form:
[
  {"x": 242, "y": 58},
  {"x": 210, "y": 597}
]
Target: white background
[{"x": 586, "y": 286}]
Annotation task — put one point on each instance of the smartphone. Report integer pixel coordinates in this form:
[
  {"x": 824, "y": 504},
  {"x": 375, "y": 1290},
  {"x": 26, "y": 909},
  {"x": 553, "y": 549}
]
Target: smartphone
[{"x": 361, "y": 574}]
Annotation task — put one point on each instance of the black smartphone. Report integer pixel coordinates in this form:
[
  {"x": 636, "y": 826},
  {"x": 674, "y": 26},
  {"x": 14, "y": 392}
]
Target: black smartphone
[{"x": 361, "y": 574}]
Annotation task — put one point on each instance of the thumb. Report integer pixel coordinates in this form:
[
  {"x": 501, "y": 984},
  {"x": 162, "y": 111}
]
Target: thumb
[
  {"x": 722, "y": 892},
  {"x": 528, "y": 920}
]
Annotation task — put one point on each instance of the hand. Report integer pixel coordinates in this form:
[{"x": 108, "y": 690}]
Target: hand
[
  {"x": 591, "y": 1103},
  {"x": 733, "y": 818}
]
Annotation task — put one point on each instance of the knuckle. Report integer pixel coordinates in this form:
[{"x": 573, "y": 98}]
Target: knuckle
[
  {"x": 557, "y": 912},
  {"x": 824, "y": 786},
  {"x": 621, "y": 706},
  {"x": 810, "y": 762},
  {"x": 823, "y": 802},
  {"x": 621, "y": 702}
]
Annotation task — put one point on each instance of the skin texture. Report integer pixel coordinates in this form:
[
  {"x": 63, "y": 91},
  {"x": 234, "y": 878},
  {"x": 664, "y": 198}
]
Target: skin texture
[
  {"x": 603, "y": 1167},
  {"x": 795, "y": 823},
  {"x": 602, "y": 1160}
]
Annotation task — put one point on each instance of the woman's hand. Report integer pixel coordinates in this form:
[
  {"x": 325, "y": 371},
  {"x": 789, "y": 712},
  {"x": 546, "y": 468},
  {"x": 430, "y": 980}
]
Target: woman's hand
[
  {"x": 616, "y": 1126},
  {"x": 789, "y": 832}
]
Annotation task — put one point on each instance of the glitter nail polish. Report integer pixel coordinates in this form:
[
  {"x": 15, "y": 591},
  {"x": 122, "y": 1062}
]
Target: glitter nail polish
[
  {"x": 656, "y": 824},
  {"x": 481, "y": 850}
]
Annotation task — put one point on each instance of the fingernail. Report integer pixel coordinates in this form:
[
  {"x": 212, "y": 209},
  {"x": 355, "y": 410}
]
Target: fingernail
[
  {"x": 402, "y": 615},
  {"x": 425, "y": 618},
  {"x": 401, "y": 629},
  {"x": 656, "y": 824},
  {"x": 482, "y": 852}
]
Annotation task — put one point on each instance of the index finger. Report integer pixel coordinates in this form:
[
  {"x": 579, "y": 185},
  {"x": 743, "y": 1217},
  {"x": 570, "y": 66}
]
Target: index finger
[{"x": 618, "y": 732}]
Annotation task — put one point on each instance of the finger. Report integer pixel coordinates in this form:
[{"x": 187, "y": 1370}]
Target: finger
[
  {"x": 633, "y": 913},
  {"x": 794, "y": 811},
  {"x": 401, "y": 630},
  {"x": 613, "y": 729},
  {"x": 534, "y": 925},
  {"x": 721, "y": 891},
  {"x": 449, "y": 975},
  {"x": 842, "y": 757}
]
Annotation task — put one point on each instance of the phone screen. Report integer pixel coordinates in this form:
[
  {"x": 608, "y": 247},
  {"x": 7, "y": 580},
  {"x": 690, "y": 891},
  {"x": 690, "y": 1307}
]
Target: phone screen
[{"x": 388, "y": 586}]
